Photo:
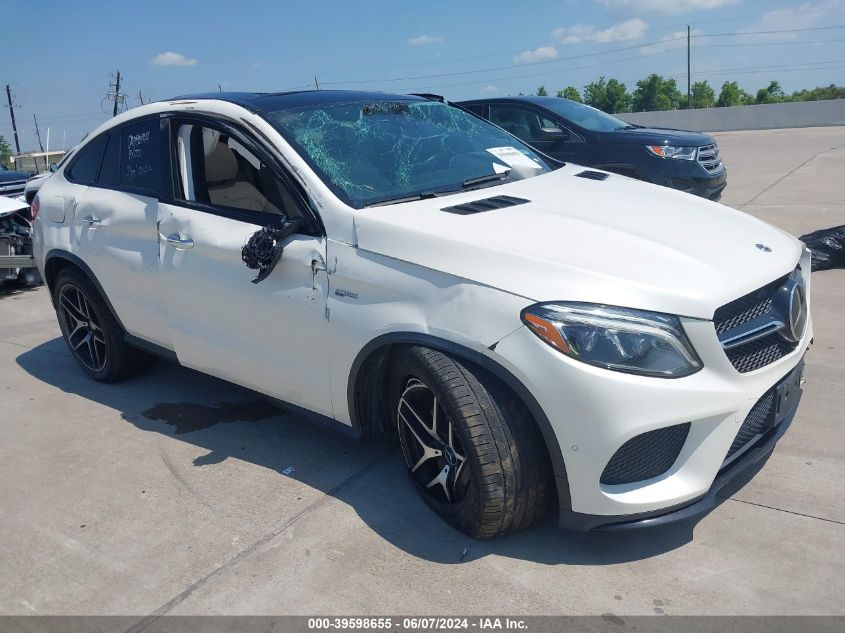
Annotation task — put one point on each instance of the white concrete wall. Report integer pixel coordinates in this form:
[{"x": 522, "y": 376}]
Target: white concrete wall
[{"x": 757, "y": 117}]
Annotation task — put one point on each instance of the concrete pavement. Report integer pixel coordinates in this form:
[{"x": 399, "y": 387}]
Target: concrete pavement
[{"x": 177, "y": 493}]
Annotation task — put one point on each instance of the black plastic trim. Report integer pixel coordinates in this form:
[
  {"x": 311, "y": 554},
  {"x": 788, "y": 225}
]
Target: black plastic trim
[{"x": 486, "y": 363}]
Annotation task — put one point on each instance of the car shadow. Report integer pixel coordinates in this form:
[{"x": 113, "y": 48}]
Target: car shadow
[{"x": 228, "y": 421}]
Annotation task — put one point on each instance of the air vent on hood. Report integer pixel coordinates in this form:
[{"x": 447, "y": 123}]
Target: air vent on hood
[
  {"x": 487, "y": 204},
  {"x": 592, "y": 175}
]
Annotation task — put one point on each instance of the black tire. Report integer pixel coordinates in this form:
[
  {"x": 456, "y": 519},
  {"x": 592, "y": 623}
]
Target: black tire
[
  {"x": 109, "y": 358},
  {"x": 507, "y": 485}
]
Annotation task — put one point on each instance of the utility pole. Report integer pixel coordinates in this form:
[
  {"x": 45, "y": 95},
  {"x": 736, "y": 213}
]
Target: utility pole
[
  {"x": 316, "y": 83},
  {"x": 689, "y": 80},
  {"x": 12, "y": 113},
  {"x": 117, "y": 88},
  {"x": 140, "y": 97},
  {"x": 117, "y": 96},
  {"x": 37, "y": 132}
]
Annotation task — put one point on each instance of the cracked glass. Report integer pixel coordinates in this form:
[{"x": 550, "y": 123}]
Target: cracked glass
[{"x": 376, "y": 151}]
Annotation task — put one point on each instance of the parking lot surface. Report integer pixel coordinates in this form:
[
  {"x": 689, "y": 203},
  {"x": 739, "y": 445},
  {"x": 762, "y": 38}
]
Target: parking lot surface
[{"x": 175, "y": 493}]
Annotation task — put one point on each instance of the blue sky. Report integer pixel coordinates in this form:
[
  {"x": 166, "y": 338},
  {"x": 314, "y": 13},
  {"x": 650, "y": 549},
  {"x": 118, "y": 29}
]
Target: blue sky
[{"x": 60, "y": 54}]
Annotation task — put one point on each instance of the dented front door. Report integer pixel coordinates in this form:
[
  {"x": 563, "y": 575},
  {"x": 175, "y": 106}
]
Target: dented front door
[{"x": 269, "y": 336}]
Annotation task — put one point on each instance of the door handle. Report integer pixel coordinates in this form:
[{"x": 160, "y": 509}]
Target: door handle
[
  {"x": 180, "y": 242},
  {"x": 91, "y": 221}
]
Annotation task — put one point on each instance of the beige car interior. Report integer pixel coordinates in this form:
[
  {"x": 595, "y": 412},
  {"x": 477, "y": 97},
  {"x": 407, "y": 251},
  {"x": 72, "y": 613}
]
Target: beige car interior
[{"x": 234, "y": 177}]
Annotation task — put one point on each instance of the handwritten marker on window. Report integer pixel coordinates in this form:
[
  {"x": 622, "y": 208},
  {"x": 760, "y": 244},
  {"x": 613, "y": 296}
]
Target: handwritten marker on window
[{"x": 289, "y": 470}]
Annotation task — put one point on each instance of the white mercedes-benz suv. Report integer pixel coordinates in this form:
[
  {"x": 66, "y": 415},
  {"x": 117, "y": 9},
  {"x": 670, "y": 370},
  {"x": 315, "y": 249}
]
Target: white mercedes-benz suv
[{"x": 534, "y": 335}]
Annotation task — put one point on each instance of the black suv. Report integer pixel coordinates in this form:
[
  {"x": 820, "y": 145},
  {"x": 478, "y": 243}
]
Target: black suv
[{"x": 577, "y": 133}]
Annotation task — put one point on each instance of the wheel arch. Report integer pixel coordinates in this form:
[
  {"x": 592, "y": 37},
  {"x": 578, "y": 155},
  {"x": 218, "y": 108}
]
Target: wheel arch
[
  {"x": 57, "y": 259},
  {"x": 367, "y": 397}
]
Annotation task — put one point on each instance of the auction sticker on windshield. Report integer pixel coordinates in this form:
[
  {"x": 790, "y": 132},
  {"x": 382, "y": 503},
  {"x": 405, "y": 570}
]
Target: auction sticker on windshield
[{"x": 513, "y": 157}]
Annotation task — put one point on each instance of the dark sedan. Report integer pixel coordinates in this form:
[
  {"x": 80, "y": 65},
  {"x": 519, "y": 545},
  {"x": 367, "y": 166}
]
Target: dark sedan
[{"x": 577, "y": 133}]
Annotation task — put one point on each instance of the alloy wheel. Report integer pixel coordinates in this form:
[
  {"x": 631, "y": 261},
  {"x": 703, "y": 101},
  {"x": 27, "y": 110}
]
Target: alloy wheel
[
  {"x": 430, "y": 443},
  {"x": 82, "y": 328}
]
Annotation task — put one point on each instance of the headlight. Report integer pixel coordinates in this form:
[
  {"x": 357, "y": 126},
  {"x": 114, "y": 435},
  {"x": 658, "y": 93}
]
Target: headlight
[
  {"x": 670, "y": 151},
  {"x": 620, "y": 339}
]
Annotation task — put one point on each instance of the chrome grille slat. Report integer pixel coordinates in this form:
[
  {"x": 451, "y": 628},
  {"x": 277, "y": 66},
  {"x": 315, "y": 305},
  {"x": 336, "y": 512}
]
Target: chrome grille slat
[
  {"x": 736, "y": 317},
  {"x": 708, "y": 157}
]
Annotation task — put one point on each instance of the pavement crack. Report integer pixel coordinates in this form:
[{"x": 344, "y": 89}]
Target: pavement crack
[
  {"x": 182, "y": 596},
  {"x": 782, "y": 178},
  {"x": 800, "y": 514}
]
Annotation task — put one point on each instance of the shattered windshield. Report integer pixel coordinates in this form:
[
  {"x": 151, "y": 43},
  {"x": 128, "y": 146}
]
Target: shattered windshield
[{"x": 372, "y": 152}]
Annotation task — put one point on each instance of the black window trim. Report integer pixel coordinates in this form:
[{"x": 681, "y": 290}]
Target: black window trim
[
  {"x": 118, "y": 129},
  {"x": 312, "y": 223}
]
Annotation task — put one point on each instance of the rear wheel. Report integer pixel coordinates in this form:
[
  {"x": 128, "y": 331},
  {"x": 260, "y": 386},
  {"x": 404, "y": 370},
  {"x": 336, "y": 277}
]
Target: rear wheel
[
  {"x": 92, "y": 334},
  {"x": 471, "y": 448}
]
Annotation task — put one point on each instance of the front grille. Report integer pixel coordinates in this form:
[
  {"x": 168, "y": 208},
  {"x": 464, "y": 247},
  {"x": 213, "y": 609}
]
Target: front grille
[
  {"x": 732, "y": 316},
  {"x": 756, "y": 422},
  {"x": 708, "y": 156},
  {"x": 748, "y": 307},
  {"x": 645, "y": 456},
  {"x": 759, "y": 353}
]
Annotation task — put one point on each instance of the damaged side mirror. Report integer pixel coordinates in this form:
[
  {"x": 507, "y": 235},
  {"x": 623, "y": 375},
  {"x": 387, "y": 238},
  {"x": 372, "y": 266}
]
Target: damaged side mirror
[{"x": 264, "y": 248}]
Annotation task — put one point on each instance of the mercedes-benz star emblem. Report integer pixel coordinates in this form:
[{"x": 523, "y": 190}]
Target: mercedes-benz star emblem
[
  {"x": 764, "y": 248},
  {"x": 797, "y": 313}
]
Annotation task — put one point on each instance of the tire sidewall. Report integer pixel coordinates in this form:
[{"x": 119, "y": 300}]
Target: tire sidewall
[{"x": 462, "y": 514}]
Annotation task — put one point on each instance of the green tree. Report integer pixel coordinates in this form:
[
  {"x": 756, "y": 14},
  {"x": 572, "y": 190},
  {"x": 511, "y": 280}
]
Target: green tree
[
  {"x": 771, "y": 94},
  {"x": 617, "y": 98},
  {"x": 595, "y": 93},
  {"x": 5, "y": 151},
  {"x": 730, "y": 95},
  {"x": 609, "y": 96},
  {"x": 703, "y": 95},
  {"x": 571, "y": 93},
  {"x": 541, "y": 92},
  {"x": 656, "y": 93}
]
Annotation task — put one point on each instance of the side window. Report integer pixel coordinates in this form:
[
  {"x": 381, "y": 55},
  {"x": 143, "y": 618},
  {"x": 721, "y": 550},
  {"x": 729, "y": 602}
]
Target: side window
[
  {"x": 83, "y": 170},
  {"x": 475, "y": 108},
  {"x": 523, "y": 123},
  {"x": 140, "y": 156},
  {"x": 111, "y": 162},
  {"x": 218, "y": 170}
]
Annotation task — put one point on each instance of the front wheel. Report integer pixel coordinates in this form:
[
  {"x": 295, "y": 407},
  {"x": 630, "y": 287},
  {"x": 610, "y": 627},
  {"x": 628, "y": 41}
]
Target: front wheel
[{"x": 471, "y": 448}]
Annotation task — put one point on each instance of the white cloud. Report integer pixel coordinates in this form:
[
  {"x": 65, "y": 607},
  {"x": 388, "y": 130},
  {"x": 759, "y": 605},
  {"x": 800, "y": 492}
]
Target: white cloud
[
  {"x": 803, "y": 16},
  {"x": 537, "y": 55},
  {"x": 422, "y": 40},
  {"x": 678, "y": 39},
  {"x": 173, "y": 59},
  {"x": 663, "y": 6},
  {"x": 632, "y": 29},
  {"x": 489, "y": 89}
]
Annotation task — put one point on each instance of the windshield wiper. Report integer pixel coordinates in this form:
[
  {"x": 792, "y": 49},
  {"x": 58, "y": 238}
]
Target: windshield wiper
[
  {"x": 486, "y": 178},
  {"x": 425, "y": 195}
]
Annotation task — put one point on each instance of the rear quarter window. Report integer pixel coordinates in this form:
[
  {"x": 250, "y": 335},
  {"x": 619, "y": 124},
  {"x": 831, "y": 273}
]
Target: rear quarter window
[
  {"x": 140, "y": 157},
  {"x": 84, "y": 168}
]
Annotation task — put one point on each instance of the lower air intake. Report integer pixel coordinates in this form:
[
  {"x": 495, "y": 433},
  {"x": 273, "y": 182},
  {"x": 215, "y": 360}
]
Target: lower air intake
[{"x": 646, "y": 456}]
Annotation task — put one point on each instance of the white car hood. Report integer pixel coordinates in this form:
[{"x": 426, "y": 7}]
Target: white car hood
[{"x": 618, "y": 242}]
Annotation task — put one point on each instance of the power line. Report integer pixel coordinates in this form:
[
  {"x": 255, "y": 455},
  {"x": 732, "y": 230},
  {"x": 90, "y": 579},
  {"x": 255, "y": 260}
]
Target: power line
[{"x": 572, "y": 57}]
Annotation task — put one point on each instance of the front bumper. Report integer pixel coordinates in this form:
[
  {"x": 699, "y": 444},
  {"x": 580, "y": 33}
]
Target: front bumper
[
  {"x": 593, "y": 412},
  {"x": 709, "y": 186},
  {"x": 751, "y": 454}
]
